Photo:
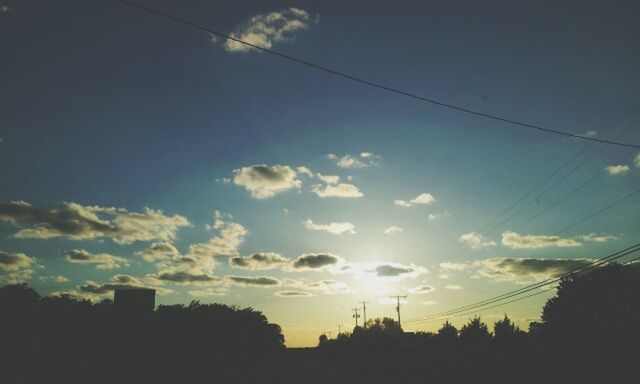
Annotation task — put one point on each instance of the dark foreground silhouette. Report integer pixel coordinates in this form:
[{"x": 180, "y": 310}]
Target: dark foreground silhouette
[{"x": 589, "y": 332}]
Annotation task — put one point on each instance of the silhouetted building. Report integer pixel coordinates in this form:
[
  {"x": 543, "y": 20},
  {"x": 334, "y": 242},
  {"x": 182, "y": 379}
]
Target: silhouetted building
[{"x": 135, "y": 299}]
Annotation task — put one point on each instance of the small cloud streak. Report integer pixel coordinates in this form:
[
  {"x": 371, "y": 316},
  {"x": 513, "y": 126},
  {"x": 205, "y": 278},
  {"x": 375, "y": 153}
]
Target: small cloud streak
[
  {"x": 476, "y": 241},
  {"x": 334, "y": 228},
  {"x": 392, "y": 230},
  {"x": 617, "y": 169},
  {"x": 421, "y": 199},
  {"x": 363, "y": 160}
]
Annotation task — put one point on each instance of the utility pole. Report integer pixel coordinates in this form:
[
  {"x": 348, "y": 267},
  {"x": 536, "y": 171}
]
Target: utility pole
[
  {"x": 356, "y": 315},
  {"x": 364, "y": 311},
  {"x": 339, "y": 329},
  {"x": 398, "y": 297}
]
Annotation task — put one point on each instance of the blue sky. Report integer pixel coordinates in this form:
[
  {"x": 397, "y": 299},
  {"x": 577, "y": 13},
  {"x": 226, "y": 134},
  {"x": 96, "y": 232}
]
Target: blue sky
[{"x": 105, "y": 106}]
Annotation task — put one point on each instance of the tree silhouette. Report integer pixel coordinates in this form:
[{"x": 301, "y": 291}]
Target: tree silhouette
[
  {"x": 475, "y": 331},
  {"x": 447, "y": 331},
  {"x": 506, "y": 329}
]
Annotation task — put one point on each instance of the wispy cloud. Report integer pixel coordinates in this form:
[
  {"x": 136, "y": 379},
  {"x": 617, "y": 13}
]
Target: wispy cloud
[
  {"x": 342, "y": 190},
  {"x": 421, "y": 289},
  {"x": 363, "y": 160},
  {"x": 423, "y": 198},
  {"x": 476, "y": 241},
  {"x": 265, "y": 30},
  {"x": 100, "y": 260},
  {"x": 392, "y": 230},
  {"x": 293, "y": 294},
  {"x": 334, "y": 228},
  {"x": 517, "y": 241},
  {"x": 439, "y": 216}
]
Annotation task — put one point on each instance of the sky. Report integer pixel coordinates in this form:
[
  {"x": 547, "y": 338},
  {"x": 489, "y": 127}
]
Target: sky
[{"x": 137, "y": 151}]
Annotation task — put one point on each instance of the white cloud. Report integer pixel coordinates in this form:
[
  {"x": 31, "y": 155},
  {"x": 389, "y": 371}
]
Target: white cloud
[
  {"x": 392, "y": 230},
  {"x": 340, "y": 190},
  {"x": 159, "y": 251},
  {"x": 423, "y": 198},
  {"x": 304, "y": 171},
  {"x": 266, "y": 29},
  {"x": 597, "y": 238},
  {"x": 447, "y": 266},
  {"x": 230, "y": 236},
  {"x": 438, "y": 216},
  {"x": 4, "y": 9},
  {"x": 80, "y": 222},
  {"x": 363, "y": 160},
  {"x": 617, "y": 169},
  {"x": 200, "y": 261},
  {"x": 335, "y": 228},
  {"x": 265, "y": 181},
  {"x": 56, "y": 279},
  {"x": 636, "y": 160},
  {"x": 476, "y": 241},
  {"x": 329, "y": 179},
  {"x": 454, "y": 287},
  {"x": 100, "y": 260},
  {"x": 517, "y": 241},
  {"x": 429, "y": 302},
  {"x": 591, "y": 134}
]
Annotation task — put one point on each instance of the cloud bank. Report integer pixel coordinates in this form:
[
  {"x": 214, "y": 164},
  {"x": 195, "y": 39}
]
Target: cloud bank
[{"x": 79, "y": 222}]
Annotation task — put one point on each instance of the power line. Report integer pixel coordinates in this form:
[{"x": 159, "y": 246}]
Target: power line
[
  {"x": 538, "y": 285},
  {"x": 598, "y": 212},
  {"x": 551, "y": 280},
  {"x": 567, "y": 175},
  {"x": 571, "y": 193},
  {"x": 555, "y": 172},
  {"x": 484, "y": 230},
  {"x": 372, "y": 83}
]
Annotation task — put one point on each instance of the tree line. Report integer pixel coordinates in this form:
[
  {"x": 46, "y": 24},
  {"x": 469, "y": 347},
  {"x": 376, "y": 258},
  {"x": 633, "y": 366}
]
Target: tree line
[{"x": 588, "y": 332}]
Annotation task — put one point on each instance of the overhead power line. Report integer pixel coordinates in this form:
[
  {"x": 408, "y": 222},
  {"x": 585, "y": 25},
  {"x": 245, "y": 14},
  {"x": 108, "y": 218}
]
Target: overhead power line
[
  {"x": 511, "y": 301},
  {"x": 370, "y": 83},
  {"x": 571, "y": 193},
  {"x": 476, "y": 306},
  {"x": 566, "y": 176}
]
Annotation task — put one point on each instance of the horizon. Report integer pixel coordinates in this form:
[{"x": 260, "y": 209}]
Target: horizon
[{"x": 140, "y": 152}]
